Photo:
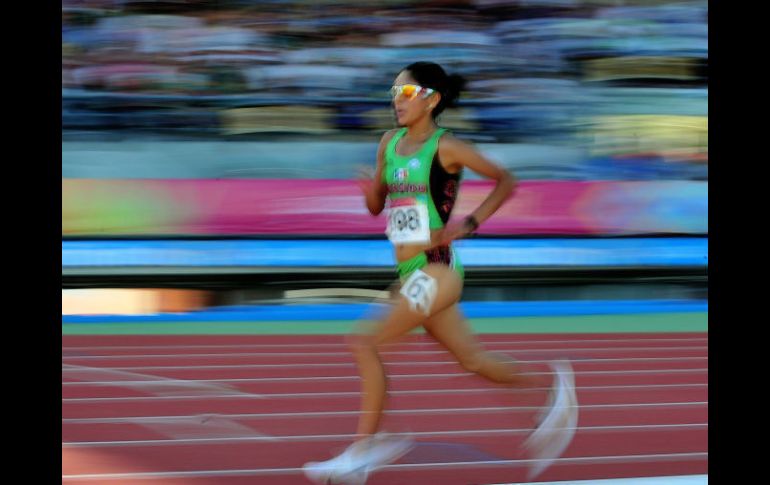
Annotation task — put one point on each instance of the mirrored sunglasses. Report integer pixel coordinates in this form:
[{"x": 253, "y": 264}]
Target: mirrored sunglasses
[{"x": 410, "y": 91}]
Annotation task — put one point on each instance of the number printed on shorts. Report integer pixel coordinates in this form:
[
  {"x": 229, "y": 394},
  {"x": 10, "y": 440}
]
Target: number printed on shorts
[
  {"x": 409, "y": 224},
  {"x": 420, "y": 291}
]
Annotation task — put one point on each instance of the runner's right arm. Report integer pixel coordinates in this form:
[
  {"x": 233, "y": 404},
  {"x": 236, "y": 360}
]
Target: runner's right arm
[{"x": 375, "y": 189}]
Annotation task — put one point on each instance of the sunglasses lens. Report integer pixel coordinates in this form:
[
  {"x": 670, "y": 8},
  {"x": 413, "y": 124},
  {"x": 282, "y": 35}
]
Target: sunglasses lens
[{"x": 409, "y": 90}]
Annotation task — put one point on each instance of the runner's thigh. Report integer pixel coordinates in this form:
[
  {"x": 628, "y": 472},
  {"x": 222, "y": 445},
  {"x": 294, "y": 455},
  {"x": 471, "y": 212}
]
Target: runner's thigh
[
  {"x": 451, "y": 329},
  {"x": 402, "y": 318}
]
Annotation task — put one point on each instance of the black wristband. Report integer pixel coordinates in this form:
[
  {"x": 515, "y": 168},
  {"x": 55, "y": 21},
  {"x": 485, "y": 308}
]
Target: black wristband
[{"x": 472, "y": 222}]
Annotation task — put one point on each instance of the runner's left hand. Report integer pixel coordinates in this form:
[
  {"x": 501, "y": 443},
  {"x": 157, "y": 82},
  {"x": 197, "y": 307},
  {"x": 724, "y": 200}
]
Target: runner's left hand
[{"x": 454, "y": 230}]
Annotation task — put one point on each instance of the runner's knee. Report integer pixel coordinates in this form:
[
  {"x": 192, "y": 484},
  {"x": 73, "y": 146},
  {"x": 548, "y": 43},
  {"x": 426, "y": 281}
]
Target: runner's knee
[
  {"x": 472, "y": 362},
  {"x": 361, "y": 344}
]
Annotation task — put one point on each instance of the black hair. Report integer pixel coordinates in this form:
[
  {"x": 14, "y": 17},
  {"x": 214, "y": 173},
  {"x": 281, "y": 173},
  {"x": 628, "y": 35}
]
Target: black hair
[{"x": 431, "y": 75}]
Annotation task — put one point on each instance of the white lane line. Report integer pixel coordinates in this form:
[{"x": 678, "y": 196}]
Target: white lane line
[
  {"x": 314, "y": 365},
  {"x": 645, "y": 387},
  {"x": 668, "y": 480},
  {"x": 595, "y": 460},
  {"x": 203, "y": 427},
  {"x": 609, "y": 361},
  {"x": 321, "y": 414},
  {"x": 396, "y": 376},
  {"x": 687, "y": 370},
  {"x": 338, "y": 437},
  {"x": 599, "y": 359},
  {"x": 427, "y": 343},
  {"x": 146, "y": 383},
  {"x": 347, "y": 354}
]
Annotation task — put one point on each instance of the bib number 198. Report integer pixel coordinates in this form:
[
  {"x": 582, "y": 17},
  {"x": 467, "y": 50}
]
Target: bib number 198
[
  {"x": 407, "y": 219},
  {"x": 409, "y": 224}
]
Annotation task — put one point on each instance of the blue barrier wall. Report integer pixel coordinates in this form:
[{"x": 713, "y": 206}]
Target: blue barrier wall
[{"x": 631, "y": 252}]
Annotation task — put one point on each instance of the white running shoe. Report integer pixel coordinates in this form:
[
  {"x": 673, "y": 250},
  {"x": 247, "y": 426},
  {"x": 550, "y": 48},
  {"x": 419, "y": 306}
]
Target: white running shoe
[
  {"x": 385, "y": 448},
  {"x": 559, "y": 424},
  {"x": 352, "y": 466},
  {"x": 347, "y": 468}
]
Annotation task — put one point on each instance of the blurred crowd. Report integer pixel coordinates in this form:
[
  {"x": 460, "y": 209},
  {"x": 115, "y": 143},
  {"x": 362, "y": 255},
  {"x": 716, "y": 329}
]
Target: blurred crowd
[{"x": 618, "y": 76}]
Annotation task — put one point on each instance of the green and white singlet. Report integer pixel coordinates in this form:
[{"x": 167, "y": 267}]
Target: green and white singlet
[{"x": 421, "y": 196}]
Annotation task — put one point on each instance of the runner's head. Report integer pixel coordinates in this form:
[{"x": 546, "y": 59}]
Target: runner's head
[{"x": 424, "y": 87}]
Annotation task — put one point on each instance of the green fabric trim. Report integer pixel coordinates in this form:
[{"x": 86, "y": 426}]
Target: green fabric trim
[
  {"x": 619, "y": 323},
  {"x": 406, "y": 268}
]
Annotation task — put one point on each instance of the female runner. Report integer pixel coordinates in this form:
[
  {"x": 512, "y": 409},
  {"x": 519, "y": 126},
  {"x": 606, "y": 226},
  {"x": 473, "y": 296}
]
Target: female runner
[{"x": 418, "y": 172}]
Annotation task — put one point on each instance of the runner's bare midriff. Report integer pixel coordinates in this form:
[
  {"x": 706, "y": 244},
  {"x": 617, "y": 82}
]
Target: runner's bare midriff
[{"x": 405, "y": 252}]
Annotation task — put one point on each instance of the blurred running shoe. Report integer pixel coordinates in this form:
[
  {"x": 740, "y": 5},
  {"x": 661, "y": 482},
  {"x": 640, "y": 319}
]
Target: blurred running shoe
[
  {"x": 353, "y": 466},
  {"x": 558, "y": 426}
]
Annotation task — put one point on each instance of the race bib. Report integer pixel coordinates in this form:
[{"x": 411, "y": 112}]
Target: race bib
[
  {"x": 408, "y": 224},
  {"x": 420, "y": 292}
]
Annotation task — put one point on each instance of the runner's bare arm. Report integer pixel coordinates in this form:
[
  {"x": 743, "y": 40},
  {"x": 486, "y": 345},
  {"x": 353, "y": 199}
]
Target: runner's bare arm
[
  {"x": 375, "y": 191},
  {"x": 455, "y": 154}
]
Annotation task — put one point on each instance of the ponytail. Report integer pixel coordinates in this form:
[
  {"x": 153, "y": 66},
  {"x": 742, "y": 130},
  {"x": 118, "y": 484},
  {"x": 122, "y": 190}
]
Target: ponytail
[
  {"x": 455, "y": 85},
  {"x": 431, "y": 75}
]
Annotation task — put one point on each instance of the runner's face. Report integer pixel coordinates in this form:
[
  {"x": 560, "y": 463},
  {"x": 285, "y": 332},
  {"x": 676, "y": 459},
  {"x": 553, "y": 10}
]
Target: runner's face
[{"x": 408, "y": 111}]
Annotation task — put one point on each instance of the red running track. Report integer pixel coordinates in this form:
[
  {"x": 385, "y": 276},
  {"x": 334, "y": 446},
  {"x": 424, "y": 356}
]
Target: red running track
[{"x": 252, "y": 409}]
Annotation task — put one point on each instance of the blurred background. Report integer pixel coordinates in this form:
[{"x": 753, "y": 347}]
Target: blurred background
[{"x": 209, "y": 148}]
